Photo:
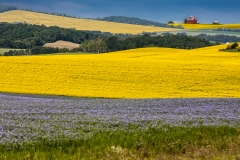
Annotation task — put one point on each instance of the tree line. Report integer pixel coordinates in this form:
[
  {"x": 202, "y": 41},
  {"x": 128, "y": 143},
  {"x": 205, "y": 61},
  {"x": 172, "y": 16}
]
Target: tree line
[
  {"x": 39, "y": 50},
  {"x": 232, "y": 48},
  {"x": 220, "y": 38},
  {"x": 33, "y": 37},
  {"x": 51, "y": 13},
  {"x": 114, "y": 43},
  {"x": 24, "y": 36},
  {"x": 4, "y": 8},
  {"x": 227, "y": 29}
]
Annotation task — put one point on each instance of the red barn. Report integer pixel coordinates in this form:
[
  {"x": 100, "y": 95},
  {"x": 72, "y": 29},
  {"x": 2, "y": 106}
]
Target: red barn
[{"x": 191, "y": 20}]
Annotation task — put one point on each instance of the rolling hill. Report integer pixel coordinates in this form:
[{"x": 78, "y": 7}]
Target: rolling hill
[
  {"x": 137, "y": 73},
  {"x": 79, "y": 24},
  {"x": 134, "y": 20}
]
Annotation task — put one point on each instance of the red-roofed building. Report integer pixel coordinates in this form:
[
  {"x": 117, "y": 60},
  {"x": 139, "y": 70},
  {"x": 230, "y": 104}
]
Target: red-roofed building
[{"x": 191, "y": 20}]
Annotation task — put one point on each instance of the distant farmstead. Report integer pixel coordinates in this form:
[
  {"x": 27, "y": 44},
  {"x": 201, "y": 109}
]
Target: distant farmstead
[
  {"x": 191, "y": 20},
  {"x": 215, "y": 22}
]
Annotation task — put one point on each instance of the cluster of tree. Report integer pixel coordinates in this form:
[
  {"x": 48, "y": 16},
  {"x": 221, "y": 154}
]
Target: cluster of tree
[
  {"x": 232, "y": 48},
  {"x": 47, "y": 50},
  {"x": 220, "y": 38},
  {"x": 171, "y": 41},
  {"x": 23, "y": 36},
  {"x": 114, "y": 43},
  {"x": 97, "y": 45},
  {"x": 133, "y": 20},
  {"x": 4, "y": 8},
  {"x": 39, "y": 50},
  {"x": 17, "y": 52},
  {"x": 26, "y": 36}
]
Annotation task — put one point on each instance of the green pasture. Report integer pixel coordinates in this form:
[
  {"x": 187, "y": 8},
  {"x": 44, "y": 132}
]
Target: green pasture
[
  {"x": 135, "y": 142},
  {"x": 3, "y": 50}
]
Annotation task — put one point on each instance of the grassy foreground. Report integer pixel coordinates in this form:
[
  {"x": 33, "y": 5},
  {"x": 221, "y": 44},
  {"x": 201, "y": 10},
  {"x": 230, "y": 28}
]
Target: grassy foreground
[
  {"x": 132, "y": 143},
  {"x": 43, "y": 127},
  {"x": 138, "y": 73}
]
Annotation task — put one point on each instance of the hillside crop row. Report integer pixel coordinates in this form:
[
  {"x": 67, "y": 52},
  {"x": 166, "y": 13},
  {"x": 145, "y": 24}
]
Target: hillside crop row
[{"x": 138, "y": 73}]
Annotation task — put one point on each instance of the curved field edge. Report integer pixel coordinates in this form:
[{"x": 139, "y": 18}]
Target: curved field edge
[
  {"x": 137, "y": 73},
  {"x": 79, "y": 24}
]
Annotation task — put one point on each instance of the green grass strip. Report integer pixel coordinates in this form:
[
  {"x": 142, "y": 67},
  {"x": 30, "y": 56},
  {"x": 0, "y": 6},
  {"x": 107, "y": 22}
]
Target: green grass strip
[{"x": 166, "y": 142}]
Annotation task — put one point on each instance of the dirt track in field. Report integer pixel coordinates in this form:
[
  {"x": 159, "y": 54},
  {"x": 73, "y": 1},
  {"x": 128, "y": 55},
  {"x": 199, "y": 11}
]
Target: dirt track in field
[{"x": 62, "y": 44}]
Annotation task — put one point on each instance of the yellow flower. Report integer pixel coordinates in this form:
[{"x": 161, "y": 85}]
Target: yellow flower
[{"x": 137, "y": 73}]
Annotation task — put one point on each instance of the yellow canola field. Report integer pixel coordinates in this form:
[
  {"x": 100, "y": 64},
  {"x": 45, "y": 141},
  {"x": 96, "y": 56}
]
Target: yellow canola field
[
  {"x": 137, "y": 73},
  {"x": 209, "y": 26},
  {"x": 79, "y": 24}
]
